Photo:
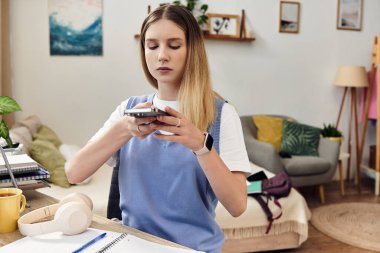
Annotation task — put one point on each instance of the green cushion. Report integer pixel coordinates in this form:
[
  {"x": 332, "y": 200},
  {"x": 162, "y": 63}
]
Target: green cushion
[
  {"x": 45, "y": 133},
  {"x": 300, "y": 139},
  {"x": 45, "y": 153}
]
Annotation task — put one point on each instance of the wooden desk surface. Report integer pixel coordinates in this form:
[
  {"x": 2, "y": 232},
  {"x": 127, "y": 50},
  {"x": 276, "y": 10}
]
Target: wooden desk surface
[{"x": 37, "y": 200}]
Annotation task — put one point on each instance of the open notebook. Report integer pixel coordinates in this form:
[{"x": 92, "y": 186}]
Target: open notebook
[{"x": 113, "y": 242}]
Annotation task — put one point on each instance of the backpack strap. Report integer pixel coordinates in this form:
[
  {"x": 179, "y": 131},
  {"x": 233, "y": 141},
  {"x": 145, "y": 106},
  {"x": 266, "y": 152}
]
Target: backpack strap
[{"x": 265, "y": 208}]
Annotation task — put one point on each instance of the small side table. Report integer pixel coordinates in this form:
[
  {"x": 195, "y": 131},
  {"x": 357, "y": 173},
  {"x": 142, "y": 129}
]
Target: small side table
[{"x": 342, "y": 156}]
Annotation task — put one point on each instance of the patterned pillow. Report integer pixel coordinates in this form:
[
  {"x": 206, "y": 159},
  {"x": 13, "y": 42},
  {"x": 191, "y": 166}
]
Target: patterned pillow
[{"x": 300, "y": 139}]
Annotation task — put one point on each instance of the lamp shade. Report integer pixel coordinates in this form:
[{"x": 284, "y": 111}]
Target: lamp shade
[{"x": 351, "y": 76}]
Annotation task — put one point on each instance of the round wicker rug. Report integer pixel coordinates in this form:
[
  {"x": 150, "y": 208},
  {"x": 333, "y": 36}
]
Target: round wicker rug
[{"x": 357, "y": 224}]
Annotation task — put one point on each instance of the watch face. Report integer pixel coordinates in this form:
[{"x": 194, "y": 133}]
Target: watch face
[{"x": 209, "y": 142}]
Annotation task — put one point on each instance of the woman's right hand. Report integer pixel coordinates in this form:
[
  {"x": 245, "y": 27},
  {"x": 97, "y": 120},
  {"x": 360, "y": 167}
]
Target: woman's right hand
[{"x": 139, "y": 126}]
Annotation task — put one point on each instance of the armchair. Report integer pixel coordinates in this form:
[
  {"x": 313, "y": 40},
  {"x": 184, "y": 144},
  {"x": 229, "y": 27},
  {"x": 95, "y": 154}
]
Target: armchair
[{"x": 303, "y": 170}]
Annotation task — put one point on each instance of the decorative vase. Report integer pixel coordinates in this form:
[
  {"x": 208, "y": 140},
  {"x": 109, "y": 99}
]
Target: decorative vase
[
  {"x": 15, "y": 150},
  {"x": 337, "y": 139}
]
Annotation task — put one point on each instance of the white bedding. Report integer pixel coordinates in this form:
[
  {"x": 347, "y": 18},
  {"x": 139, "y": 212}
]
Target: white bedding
[
  {"x": 253, "y": 222},
  {"x": 97, "y": 189}
]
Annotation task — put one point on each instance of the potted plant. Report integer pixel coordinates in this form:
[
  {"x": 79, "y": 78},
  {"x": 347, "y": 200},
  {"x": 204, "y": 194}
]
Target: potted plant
[
  {"x": 331, "y": 132},
  {"x": 199, "y": 13},
  {"x": 7, "y": 105}
]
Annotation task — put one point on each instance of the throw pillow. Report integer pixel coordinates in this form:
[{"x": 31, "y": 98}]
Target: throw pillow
[
  {"x": 45, "y": 153},
  {"x": 300, "y": 139},
  {"x": 23, "y": 136},
  {"x": 269, "y": 129},
  {"x": 45, "y": 133},
  {"x": 33, "y": 123}
]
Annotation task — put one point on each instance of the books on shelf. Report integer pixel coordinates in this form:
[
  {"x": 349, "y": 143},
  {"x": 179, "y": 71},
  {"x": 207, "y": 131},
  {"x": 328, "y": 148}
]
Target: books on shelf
[{"x": 18, "y": 163}]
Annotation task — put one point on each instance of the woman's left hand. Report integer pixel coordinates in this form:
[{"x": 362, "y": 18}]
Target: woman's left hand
[{"x": 184, "y": 131}]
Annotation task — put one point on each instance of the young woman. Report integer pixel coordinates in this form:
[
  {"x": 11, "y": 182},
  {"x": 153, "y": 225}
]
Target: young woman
[{"x": 173, "y": 169}]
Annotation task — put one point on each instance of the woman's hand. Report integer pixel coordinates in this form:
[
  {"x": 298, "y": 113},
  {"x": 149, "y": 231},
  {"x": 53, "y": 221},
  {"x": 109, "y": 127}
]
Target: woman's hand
[
  {"x": 139, "y": 127},
  {"x": 184, "y": 131}
]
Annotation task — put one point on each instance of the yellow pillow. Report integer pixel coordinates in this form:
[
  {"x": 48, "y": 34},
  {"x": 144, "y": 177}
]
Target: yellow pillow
[{"x": 269, "y": 129}]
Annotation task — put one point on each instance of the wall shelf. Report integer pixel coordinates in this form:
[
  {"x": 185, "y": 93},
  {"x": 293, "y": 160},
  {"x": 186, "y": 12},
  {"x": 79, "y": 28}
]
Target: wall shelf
[
  {"x": 221, "y": 38},
  {"x": 213, "y": 37}
]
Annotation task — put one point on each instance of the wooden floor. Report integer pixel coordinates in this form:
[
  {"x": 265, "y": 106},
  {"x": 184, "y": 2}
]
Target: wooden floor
[{"x": 318, "y": 242}]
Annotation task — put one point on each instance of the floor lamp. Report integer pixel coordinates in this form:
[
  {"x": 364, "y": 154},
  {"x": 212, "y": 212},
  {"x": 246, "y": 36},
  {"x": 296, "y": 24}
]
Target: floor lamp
[{"x": 351, "y": 78}]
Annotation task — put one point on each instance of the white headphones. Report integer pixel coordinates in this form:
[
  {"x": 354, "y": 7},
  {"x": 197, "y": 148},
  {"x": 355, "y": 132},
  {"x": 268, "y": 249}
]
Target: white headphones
[{"x": 72, "y": 215}]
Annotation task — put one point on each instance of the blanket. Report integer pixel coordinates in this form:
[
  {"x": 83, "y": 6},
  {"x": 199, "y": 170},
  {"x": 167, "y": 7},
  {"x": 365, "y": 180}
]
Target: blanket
[{"x": 253, "y": 222}]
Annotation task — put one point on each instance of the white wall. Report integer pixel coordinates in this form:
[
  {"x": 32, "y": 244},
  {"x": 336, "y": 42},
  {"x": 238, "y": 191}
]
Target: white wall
[{"x": 279, "y": 73}]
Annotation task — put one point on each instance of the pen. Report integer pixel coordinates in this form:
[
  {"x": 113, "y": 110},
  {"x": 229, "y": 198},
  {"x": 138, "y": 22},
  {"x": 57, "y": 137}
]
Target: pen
[{"x": 90, "y": 243}]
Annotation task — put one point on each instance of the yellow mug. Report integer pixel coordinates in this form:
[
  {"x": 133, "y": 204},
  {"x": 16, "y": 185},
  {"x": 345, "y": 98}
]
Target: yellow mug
[{"x": 12, "y": 204}]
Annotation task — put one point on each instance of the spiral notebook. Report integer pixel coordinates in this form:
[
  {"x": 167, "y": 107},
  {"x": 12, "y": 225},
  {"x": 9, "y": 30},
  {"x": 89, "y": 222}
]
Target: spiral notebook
[
  {"x": 18, "y": 163},
  {"x": 113, "y": 242},
  {"x": 40, "y": 173}
]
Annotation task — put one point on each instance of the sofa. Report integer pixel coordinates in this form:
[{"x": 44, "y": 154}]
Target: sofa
[
  {"x": 311, "y": 161},
  {"x": 245, "y": 233}
]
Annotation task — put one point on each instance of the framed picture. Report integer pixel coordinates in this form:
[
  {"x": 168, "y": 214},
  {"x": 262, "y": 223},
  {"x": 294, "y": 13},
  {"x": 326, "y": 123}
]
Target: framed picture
[
  {"x": 223, "y": 25},
  {"x": 289, "y": 17},
  {"x": 349, "y": 15},
  {"x": 76, "y": 27}
]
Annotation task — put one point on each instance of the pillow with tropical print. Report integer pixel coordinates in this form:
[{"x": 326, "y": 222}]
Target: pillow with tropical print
[{"x": 300, "y": 139}]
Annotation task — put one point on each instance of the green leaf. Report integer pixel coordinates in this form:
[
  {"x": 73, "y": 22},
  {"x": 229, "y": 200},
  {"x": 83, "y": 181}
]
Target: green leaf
[
  {"x": 190, "y": 6},
  {"x": 8, "y": 105},
  {"x": 4, "y": 132},
  {"x": 202, "y": 19},
  {"x": 204, "y": 7},
  {"x": 330, "y": 130}
]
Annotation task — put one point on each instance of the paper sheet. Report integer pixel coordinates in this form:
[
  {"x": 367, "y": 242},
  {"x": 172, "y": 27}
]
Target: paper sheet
[{"x": 58, "y": 243}]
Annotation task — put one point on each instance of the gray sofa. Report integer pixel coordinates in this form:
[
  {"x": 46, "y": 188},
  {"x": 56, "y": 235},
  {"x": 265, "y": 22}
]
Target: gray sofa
[{"x": 303, "y": 170}]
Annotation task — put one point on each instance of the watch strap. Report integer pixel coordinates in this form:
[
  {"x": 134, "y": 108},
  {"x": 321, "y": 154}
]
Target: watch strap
[{"x": 207, "y": 145}]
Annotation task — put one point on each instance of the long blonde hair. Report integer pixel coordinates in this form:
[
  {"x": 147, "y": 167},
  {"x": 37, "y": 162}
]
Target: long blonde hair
[{"x": 195, "y": 95}]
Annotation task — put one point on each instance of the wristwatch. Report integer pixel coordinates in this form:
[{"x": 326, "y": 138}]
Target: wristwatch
[{"x": 207, "y": 145}]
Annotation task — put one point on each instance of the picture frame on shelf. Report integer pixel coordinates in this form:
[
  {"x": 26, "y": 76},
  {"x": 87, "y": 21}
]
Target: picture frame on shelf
[
  {"x": 223, "y": 25},
  {"x": 349, "y": 15},
  {"x": 289, "y": 18}
]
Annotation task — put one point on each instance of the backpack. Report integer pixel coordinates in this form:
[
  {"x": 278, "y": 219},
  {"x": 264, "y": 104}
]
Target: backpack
[{"x": 276, "y": 187}]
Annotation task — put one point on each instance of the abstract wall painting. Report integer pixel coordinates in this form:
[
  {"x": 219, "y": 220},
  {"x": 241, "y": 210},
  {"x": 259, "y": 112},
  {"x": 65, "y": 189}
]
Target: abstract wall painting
[{"x": 75, "y": 27}]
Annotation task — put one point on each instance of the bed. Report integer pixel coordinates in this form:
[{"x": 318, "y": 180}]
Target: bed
[{"x": 245, "y": 233}]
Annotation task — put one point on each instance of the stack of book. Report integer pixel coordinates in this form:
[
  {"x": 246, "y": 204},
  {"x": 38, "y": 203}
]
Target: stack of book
[{"x": 27, "y": 172}]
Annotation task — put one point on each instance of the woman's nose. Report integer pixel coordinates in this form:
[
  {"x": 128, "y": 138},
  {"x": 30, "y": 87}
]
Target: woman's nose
[{"x": 163, "y": 55}]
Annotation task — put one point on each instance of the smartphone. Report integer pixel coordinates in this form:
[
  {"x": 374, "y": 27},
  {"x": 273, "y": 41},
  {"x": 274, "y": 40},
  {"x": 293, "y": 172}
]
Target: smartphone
[
  {"x": 257, "y": 176},
  {"x": 144, "y": 112}
]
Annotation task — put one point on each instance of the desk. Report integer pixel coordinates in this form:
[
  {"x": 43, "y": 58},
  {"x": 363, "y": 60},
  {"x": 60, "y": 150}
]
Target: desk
[{"x": 37, "y": 200}]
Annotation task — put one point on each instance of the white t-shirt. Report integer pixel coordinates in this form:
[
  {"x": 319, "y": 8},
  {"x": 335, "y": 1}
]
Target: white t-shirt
[{"x": 231, "y": 143}]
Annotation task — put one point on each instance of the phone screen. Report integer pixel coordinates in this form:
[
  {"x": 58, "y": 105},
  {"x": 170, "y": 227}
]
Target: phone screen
[{"x": 144, "y": 112}]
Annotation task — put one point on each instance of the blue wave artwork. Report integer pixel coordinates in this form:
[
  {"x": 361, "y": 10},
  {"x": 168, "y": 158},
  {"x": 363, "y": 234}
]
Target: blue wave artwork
[{"x": 65, "y": 40}]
